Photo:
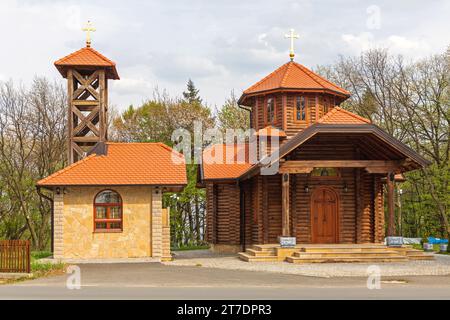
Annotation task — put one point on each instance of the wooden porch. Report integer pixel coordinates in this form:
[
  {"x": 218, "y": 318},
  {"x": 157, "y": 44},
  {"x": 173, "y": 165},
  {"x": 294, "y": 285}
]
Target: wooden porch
[
  {"x": 324, "y": 231},
  {"x": 332, "y": 253}
]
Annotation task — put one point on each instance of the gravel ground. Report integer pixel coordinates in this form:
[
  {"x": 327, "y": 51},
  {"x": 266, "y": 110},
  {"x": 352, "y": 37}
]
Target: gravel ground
[{"x": 205, "y": 258}]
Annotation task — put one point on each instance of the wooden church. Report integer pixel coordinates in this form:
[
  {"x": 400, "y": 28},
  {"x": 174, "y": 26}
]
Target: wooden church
[{"x": 333, "y": 168}]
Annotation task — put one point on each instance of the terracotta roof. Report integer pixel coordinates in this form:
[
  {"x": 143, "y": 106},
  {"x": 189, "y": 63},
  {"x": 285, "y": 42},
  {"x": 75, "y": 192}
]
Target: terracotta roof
[
  {"x": 87, "y": 57},
  {"x": 337, "y": 115},
  {"x": 293, "y": 75},
  {"x": 124, "y": 164},
  {"x": 216, "y": 166},
  {"x": 271, "y": 131}
]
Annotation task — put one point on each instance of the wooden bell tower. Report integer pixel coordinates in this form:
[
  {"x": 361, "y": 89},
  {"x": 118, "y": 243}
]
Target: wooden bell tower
[{"x": 87, "y": 73}]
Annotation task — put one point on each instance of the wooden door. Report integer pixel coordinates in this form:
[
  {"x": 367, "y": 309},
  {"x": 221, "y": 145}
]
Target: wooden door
[{"x": 324, "y": 215}]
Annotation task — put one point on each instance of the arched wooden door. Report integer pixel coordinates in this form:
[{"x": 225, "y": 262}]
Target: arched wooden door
[{"x": 324, "y": 216}]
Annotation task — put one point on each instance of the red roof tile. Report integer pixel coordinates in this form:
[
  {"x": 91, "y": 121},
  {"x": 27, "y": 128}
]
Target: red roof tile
[
  {"x": 337, "y": 115},
  {"x": 225, "y": 161},
  {"x": 87, "y": 57},
  {"x": 124, "y": 164},
  {"x": 293, "y": 75}
]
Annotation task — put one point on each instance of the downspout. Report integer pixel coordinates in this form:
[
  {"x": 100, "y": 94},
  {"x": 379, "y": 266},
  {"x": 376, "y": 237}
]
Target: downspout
[{"x": 52, "y": 215}]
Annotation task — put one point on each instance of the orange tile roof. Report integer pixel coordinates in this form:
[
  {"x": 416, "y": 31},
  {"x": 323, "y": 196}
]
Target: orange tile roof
[
  {"x": 87, "y": 57},
  {"x": 271, "y": 131},
  {"x": 341, "y": 116},
  {"x": 293, "y": 75},
  {"x": 124, "y": 164},
  {"x": 234, "y": 170},
  {"x": 216, "y": 166}
]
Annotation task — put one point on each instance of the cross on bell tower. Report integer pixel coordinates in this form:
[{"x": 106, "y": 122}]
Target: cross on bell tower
[
  {"x": 87, "y": 73},
  {"x": 88, "y": 29}
]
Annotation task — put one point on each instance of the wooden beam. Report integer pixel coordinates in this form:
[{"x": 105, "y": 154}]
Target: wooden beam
[
  {"x": 85, "y": 103},
  {"x": 70, "y": 86},
  {"x": 295, "y": 170},
  {"x": 80, "y": 152},
  {"x": 390, "y": 206},
  {"x": 380, "y": 170},
  {"x": 92, "y": 139},
  {"x": 340, "y": 163},
  {"x": 86, "y": 121},
  {"x": 285, "y": 230}
]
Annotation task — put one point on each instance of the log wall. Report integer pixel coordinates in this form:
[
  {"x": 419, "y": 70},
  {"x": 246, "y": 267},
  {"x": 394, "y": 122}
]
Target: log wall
[{"x": 316, "y": 105}]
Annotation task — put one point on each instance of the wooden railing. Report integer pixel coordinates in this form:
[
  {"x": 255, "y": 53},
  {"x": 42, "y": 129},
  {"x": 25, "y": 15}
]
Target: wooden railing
[{"x": 15, "y": 256}]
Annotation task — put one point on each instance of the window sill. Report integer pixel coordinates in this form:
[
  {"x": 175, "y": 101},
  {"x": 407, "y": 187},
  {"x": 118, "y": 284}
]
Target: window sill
[{"x": 108, "y": 231}]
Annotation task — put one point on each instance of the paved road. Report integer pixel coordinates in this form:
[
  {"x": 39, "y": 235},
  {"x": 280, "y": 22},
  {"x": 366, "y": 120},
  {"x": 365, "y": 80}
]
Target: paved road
[{"x": 156, "y": 281}]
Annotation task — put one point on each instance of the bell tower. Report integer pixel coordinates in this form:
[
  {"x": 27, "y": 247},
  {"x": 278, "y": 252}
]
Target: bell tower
[{"x": 87, "y": 73}]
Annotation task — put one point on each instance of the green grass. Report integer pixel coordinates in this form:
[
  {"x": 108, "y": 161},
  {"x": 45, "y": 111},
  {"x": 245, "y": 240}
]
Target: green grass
[
  {"x": 185, "y": 248},
  {"x": 42, "y": 268},
  {"x": 35, "y": 255}
]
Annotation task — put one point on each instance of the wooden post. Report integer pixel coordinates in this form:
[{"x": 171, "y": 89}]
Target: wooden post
[
  {"x": 390, "y": 195},
  {"x": 70, "y": 87},
  {"x": 285, "y": 204}
]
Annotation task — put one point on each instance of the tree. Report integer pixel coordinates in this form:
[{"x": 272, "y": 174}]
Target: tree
[
  {"x": 231, "y": 116},
  {"x": 155, "y": 120},
  {"x": 32, "y": 146},
  {"x": 411, "y": 102},
  {"x": 191, "y": 95}
]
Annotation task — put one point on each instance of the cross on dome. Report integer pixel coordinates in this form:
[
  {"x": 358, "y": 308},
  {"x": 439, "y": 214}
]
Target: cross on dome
[{"x": 292, "y": 35}]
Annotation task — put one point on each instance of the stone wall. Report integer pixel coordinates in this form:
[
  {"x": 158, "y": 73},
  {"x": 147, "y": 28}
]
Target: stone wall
[
  {"x": 58, "y": 207},
  {"x": 74, "y": 227},
  {"x": 156, "y": 223}
]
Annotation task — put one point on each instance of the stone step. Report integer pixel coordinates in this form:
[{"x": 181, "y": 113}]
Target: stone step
[
  {"x": 249, "y": 258},
  {"x": 261, "y": 253},
  {"x": 335, "y": 259},
  {"x": 343, "y": 248},
  {"x": 346, "y": 253},
  {"x": 420, "y": 257},
  {"x": 263, "y": 248},
  {"x": 414, "y": 254}
]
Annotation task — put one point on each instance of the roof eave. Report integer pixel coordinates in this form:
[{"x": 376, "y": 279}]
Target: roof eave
[
  {"x": 246, "y": 95},
  {"x": 52, "y": 186}
]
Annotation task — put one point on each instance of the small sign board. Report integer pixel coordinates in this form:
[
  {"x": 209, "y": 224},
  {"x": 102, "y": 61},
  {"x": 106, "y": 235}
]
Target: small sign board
[
  {"x": 287, "y": 242},
  {"x": 394, "y": 241}
]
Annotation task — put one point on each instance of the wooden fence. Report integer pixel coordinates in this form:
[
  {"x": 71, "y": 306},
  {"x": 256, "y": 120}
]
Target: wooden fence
[{"x": 14, "y": 256}]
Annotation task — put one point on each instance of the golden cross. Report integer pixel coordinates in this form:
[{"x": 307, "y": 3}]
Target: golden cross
[
  {"x": 292, "y": 35},
  {"x": 88, "y": 29}
]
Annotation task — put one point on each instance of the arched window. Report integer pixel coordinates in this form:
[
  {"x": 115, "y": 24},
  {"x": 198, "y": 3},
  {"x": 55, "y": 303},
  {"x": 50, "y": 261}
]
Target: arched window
[
  {"x": 108, "y": 212},
  {"x": 270, "y": 111},
  {"x": 300, "y": 109}
]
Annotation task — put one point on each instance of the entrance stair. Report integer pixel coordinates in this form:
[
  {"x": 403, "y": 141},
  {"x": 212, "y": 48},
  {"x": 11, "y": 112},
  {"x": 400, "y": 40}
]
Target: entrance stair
[{"x": 333, "y": 253}]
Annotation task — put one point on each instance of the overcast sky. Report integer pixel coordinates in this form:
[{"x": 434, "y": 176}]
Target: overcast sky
[{"x": 221, "y": 45}]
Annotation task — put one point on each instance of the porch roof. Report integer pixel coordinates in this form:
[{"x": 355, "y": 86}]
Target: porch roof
[{"x": 390, "y": 145}]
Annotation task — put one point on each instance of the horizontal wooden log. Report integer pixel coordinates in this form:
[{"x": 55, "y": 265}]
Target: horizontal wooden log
[
  {"x": 340, "y": 163},
  {"x": 295, "y": 170}
]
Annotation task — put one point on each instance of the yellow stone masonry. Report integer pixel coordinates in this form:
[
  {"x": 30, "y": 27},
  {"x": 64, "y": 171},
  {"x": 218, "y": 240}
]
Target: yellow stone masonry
[{"x": 142, "y": 234}]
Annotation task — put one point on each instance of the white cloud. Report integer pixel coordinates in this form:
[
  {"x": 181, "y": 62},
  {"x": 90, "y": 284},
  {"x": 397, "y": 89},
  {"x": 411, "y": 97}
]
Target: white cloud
[
  {"x": 220, "y": 45},
  {"x": 412, "y": 48}
]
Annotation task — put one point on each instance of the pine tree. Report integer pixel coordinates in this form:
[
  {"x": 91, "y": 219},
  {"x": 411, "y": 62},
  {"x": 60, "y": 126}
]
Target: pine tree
[{"x": 191, "y": 96}]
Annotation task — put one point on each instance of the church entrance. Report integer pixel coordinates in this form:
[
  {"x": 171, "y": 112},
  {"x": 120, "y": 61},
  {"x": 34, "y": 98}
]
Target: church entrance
[{"x": 324, "y": 215}]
